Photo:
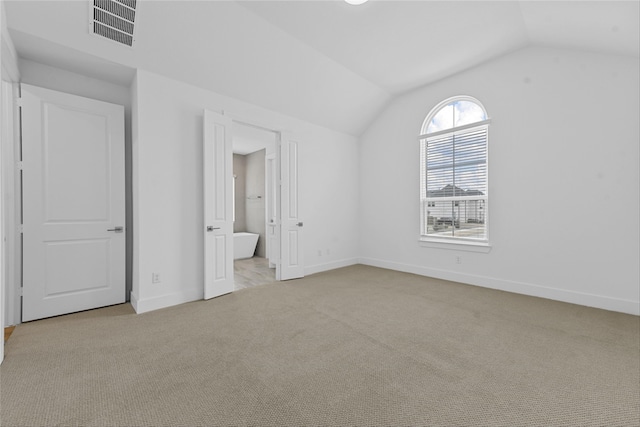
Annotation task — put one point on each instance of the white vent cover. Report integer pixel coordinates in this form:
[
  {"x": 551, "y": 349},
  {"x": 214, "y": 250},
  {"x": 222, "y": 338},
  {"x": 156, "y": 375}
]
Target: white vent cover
[{"x": 113, "y": 19}]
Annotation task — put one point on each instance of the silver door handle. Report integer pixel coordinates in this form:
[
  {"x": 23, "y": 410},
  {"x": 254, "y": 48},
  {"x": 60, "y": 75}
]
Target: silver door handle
[
  {"x": 117, "y": 229},
  {"x": 300, "y": 224},
  {"x": 211, "y": 228}
]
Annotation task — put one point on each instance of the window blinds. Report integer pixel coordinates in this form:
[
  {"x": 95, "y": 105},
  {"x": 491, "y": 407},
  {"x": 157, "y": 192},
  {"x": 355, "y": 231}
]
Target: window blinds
[
  {"x": 454, "y": 182},
  {"x": 456, "y": 164}
]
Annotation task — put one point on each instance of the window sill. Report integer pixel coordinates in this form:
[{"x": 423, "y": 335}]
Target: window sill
[{"x": 453, "y": 245}]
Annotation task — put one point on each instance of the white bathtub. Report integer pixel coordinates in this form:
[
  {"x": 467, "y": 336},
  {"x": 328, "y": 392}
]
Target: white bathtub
[{"x": 244, "y": 245}]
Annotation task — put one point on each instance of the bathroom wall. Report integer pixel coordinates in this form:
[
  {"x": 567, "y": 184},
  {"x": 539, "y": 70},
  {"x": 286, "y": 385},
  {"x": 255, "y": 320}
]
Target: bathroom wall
[
  {"x": 240, "y": 173},
  {"x": 255, "y": 198}
]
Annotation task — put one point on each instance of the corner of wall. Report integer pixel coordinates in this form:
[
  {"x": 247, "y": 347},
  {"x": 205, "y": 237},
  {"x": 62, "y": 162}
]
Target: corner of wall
[
  {"x": 135, "y": 196},
  {"x": 10, "y": 69},
  {"x": 163, "y": 301}
]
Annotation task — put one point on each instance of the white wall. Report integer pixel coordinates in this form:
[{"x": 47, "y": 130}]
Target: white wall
[
  {"x": 54, "y": 78},
  {"x": 168, "y": 219},
  {"x": 564, "y": 192},
  {"x": 240, "y": 196},
  {"x": 255, "y": 199},
  {"x": 10, "y": 72}
]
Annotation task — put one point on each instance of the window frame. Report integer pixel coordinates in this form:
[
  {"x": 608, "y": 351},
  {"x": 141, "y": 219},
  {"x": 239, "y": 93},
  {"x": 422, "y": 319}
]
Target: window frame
[{"x": 452, "y": 242}]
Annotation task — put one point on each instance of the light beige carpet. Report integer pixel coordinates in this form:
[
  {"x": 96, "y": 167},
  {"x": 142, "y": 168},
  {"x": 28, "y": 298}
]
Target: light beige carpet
[{"x": 357, "y": 346}]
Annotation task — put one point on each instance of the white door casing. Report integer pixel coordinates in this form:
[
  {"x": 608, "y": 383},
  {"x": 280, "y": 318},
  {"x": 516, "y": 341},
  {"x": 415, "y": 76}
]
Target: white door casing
[
  {"x": 291, "y": 253},
  {"x": 73, "y": 203},
  {"x": 3, "y": 140},
  {"x": 272, "y": 215},
  {"x": 218, "y": 205},
  {"x": 12, "y": 212}
]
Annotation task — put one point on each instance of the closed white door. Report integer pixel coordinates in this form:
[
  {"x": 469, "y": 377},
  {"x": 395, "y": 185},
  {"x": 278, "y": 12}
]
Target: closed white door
[
  {"x": 73, "y": 203},
  {"x": 218, "y": 205},
  {"x": 291, "y": 249}
]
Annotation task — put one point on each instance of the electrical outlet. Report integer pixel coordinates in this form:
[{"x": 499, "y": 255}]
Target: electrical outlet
[
  {"x": 155, "y": 277},
  {"x": 458, "y": 259}
]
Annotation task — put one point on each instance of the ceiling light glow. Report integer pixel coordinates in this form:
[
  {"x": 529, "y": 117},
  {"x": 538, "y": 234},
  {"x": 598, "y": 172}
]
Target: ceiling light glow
[{"x": 355, "y": 2}]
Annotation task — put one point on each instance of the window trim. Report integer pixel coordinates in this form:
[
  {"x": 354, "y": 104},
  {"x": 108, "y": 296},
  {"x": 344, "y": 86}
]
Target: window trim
[
  {"x": 458, "y": 245},
  {"x": 435, "y": 110},
  {"x": 486, "y": 122},
  {"x": 447, "y": 242}
]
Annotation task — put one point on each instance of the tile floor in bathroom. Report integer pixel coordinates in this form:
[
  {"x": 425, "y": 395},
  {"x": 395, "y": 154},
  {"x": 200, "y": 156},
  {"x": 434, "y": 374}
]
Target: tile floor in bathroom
[{"x": 252, "y": 272}]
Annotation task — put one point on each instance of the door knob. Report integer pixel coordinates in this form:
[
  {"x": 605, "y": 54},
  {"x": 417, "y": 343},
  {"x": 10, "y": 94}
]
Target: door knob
[
  {"x": 211, "y": 228},
  {"x": 300, "y": 224},
  {"x": 116, "y": 229}
]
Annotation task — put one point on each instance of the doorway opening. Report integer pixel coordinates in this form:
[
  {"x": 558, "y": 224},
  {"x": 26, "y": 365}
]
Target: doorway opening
[
  {"x": 286, "y": 248},
  {"x": 254, "y": 210}
]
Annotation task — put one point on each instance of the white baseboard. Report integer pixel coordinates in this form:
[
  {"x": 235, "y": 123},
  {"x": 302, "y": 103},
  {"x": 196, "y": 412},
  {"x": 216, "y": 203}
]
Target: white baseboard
[
  {"x": 168, "y": 300},
  {"x": 318, "y": 268},
  {"x": 133, "y": 300},
  {"x": 580, "y": 298},
  {"x": 164, "y": 301}
]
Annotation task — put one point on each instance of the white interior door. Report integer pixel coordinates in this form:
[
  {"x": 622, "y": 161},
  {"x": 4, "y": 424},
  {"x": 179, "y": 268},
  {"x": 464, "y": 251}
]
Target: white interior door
[
  {"x": 291, "y": 249},
  {"x": 218, "y": 205},
  {"x": 73, "y": 203}
]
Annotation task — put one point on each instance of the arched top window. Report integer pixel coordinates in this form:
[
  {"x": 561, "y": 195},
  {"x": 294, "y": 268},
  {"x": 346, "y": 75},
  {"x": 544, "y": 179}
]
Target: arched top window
[
  {"x": 453, "y": 113},
  {"x": 453, "y": 172}
]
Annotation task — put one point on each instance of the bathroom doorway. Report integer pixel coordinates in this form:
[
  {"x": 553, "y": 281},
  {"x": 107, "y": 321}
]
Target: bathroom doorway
[{"x": 253, "y": 147}]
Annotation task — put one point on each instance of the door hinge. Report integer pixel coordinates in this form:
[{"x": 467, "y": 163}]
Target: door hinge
[
  {"x": 20, "y": 165},
  {"x": 19, "y": 102},
  {"x": 21, "y": 291},
  {"x": 20, "y": 228}
]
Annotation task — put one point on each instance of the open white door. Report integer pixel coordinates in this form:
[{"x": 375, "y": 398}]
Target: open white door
[
  {"x": 273, "y": 251},
  {"x": 73, "y": 203},
  {"x": 218, "y": 205},
  {"x": 291, "y": 250}
]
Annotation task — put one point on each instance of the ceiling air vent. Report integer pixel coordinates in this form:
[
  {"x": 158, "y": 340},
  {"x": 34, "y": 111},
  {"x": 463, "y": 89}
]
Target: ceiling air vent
[{"x": 113, "y": 19}]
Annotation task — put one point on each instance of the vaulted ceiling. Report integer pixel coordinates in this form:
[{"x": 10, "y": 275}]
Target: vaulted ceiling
[{"x": 325, "y": 62}]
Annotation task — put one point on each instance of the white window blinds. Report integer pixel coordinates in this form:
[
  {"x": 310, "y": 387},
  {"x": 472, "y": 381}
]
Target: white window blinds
[{"x": 454, "y": 183}]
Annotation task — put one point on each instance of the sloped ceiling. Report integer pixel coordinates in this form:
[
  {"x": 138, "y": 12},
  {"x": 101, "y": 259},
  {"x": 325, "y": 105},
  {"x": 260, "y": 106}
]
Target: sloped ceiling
[
  {"x": 399, "y": 45},
  {"x": 325, "y": 62}
]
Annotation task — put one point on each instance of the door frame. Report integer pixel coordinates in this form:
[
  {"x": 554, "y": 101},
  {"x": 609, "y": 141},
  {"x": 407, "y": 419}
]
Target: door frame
[
  {"x": 11, "y": 149},
  {"x": 12, "y": 206},
  {"x": 270, "y": 204},
  {"x": 45, "y": 239},
  {"x": 280, "y": 133}
]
